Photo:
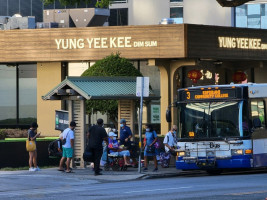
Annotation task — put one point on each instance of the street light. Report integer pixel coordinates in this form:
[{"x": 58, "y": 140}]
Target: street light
[{"x": 232, "y": 3}]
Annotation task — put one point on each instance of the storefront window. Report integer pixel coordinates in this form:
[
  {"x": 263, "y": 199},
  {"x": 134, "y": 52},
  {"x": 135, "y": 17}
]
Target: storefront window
[
  {"x": 8, "y": 94},
  {"x": 27, "y": 94},
  {"x": 18, "y": 99}
]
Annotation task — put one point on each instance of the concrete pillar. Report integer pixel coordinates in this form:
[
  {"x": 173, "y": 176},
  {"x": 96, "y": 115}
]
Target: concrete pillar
[
  {"x": 77, "y": 113},
  {"x": 174, "y": 66},
  {"x": 164, "y": 67},
  {"x": 48, "y": 76}
]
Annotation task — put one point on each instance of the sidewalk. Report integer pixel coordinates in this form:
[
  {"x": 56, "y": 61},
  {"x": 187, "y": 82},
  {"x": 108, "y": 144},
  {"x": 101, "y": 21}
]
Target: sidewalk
[{"x": 108, "y": 176}]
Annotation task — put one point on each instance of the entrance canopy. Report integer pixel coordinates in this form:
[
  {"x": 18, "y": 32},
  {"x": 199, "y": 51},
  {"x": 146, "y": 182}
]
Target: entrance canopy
[{"x": 79, "y": 88}]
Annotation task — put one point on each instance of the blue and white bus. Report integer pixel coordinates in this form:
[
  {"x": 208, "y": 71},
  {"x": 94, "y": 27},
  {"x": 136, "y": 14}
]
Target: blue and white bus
[{"x": 222, "y": 127}]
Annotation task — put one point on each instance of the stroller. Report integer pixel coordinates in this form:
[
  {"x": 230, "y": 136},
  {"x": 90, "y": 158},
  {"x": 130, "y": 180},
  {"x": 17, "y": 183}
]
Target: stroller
[{"x": 114, "y": 162}]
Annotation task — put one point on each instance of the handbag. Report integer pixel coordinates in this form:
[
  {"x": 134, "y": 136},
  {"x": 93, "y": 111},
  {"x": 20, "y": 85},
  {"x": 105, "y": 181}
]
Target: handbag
[
  {"x": 30, "y": 145},
  {"x": 157, "y": 145},
  {"x": 88, "y": 156},
  {"x": 150, "y": 149}
]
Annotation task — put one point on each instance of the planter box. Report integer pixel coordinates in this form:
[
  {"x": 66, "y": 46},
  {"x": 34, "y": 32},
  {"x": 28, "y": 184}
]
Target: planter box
[{"x": 14, "y": 154}]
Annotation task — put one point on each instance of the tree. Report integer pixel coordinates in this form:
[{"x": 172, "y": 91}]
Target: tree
[
  {"x": 98, "y": 4},
  {"x": 112, "y": 65}
]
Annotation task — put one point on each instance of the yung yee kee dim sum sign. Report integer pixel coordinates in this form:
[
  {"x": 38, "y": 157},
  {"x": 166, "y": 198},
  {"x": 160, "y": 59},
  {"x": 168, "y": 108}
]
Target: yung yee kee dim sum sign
[
  {"x": 241, "y": 43},
  {"x": 102, "y": 43}
]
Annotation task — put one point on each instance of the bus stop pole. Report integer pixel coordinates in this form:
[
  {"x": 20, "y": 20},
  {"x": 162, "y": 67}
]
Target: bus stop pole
[{"x": 140, "y": 124}]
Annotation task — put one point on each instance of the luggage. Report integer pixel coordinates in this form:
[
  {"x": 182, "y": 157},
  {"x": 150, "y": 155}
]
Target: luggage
[{"x": 165, "y": 159}]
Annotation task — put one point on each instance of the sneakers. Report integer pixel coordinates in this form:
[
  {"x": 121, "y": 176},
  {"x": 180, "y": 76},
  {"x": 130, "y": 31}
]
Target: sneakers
[
  {"x": 145, "y": 169},
  {"x": 155, "y": 170},
  {"x": 38, "y": 169},
  {"x": 32, "y": 169}
]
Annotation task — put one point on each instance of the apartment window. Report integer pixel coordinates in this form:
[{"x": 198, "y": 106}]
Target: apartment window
[
  {"x": 251, "y": 16},
  {"x": 177, "y": 14},
  {"x": 118, "y": 17},
  {"x": 119, "y": 1}
]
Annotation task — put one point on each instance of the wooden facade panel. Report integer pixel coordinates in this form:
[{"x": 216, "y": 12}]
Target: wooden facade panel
[{"x": 155, "y": 41}]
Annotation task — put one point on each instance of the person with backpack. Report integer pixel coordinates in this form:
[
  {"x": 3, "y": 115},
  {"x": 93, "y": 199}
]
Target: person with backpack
[
  {"x": 150, "y": 150},
  {"x": 96, "y": 135},
  {"x": 67, "y": 145}
]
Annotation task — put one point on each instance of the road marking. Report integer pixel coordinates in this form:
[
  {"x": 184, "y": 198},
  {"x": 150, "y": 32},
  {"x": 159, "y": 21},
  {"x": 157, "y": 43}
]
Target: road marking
[
  {"x": 160, "y": 189},
  {"x": 246, "y": 193}
]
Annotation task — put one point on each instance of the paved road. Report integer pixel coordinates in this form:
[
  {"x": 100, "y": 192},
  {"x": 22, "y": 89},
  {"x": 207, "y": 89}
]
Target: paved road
[{"x": 50, "y": 186}]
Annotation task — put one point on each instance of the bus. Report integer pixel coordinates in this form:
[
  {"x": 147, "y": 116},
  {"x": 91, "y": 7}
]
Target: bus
[{"x": 221, "y": 127}]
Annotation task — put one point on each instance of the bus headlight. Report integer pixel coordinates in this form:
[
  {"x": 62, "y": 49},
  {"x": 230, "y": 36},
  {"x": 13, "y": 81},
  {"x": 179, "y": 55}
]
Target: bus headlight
[
  {"x": 237, "y": 152},
  {"x": 183, "y": 153}
]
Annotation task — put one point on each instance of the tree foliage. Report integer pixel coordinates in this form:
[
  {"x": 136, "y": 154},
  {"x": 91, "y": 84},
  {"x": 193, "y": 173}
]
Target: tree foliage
[
  {"x": 112, "y": 65},
  {"x": 98, "y": 4}
]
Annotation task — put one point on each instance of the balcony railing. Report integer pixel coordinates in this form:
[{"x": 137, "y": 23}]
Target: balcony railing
[{"x": 119, "y": 1}]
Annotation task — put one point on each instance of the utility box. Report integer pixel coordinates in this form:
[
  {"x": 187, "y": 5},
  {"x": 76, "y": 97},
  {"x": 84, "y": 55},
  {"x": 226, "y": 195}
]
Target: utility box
[
  {"x": 27, "y": 22},
  {"x": 21, "y": 22},
  {"x": 46, "y": 25},
  {"x": 80, "y": 17}
]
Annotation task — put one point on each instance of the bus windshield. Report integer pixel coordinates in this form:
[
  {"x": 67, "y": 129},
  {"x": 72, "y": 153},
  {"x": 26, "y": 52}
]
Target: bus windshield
[{"x": 210, "y": 119}]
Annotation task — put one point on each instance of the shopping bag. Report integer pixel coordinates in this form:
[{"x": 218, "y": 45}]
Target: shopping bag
[{"x": 30, "y": 145}]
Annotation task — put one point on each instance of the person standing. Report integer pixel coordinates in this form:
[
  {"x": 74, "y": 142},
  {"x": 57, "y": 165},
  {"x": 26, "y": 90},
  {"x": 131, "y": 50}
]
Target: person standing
[
  {"x": 125, "y": 134},
  {"x": 170, "y": 140},
  {"x": 150, "y": 150},
  {"x": 32, "y": 135},
  {"x": 68, "y": 135},
  {"x": 96, "y": 136},
  {"x": 125, "y": 139}
]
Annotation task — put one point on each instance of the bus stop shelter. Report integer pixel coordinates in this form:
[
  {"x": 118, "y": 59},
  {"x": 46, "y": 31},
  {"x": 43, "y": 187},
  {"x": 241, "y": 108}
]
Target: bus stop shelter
[{"x": 76, "y": 90}]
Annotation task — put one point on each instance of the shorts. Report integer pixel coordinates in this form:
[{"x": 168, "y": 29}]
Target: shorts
[{"x": 67, "y": 152}]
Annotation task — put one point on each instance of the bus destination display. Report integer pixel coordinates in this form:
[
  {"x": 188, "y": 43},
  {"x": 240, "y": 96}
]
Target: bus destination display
[{"x": 208, "y": 94}]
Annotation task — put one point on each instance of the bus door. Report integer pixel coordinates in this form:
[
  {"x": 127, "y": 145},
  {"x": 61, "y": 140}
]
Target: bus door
[{"x": 259, "y": 135}]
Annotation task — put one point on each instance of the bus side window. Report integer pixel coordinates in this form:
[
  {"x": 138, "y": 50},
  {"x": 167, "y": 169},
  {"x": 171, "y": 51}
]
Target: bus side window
[{"x": 257, "y": 113}]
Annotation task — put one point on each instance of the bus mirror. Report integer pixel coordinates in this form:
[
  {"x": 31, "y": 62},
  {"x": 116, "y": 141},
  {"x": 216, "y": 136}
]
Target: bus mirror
[{"x": 168, "y": 115}]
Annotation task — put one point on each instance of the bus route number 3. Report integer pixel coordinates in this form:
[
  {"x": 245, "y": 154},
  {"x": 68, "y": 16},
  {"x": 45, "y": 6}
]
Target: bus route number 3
[{"x": 187, "y": 95}]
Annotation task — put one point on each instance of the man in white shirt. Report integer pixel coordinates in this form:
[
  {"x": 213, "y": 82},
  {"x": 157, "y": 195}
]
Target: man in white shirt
[
  {"x": 67, "y": 145},
  {"x": 170, "y": 140}
]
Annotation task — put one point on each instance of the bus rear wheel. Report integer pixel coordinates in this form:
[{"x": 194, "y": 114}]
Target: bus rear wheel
[{"x": 214, "y": 171}]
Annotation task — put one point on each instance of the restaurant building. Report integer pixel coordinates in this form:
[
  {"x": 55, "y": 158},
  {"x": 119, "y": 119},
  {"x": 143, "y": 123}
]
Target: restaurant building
[{"x": 34, "y": 61}]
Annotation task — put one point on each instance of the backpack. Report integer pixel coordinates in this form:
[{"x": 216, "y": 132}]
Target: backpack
[{"x": 53, "y": 147}]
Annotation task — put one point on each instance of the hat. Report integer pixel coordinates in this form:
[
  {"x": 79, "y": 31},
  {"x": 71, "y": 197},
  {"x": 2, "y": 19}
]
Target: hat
[
  {"x": 111, "y": 134},
  {"x": 72, "y": 123},
  {"x": 123, "y": 121},
  {"x": 100, "y": 121},
  {"x": 34, "y": 125}
]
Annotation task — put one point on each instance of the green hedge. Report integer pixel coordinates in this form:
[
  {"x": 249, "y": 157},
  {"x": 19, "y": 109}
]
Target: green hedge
[{"x": 24, "y": 139}]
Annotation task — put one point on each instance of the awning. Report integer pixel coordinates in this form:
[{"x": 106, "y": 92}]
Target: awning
[{"x": 73, "y": 88}]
